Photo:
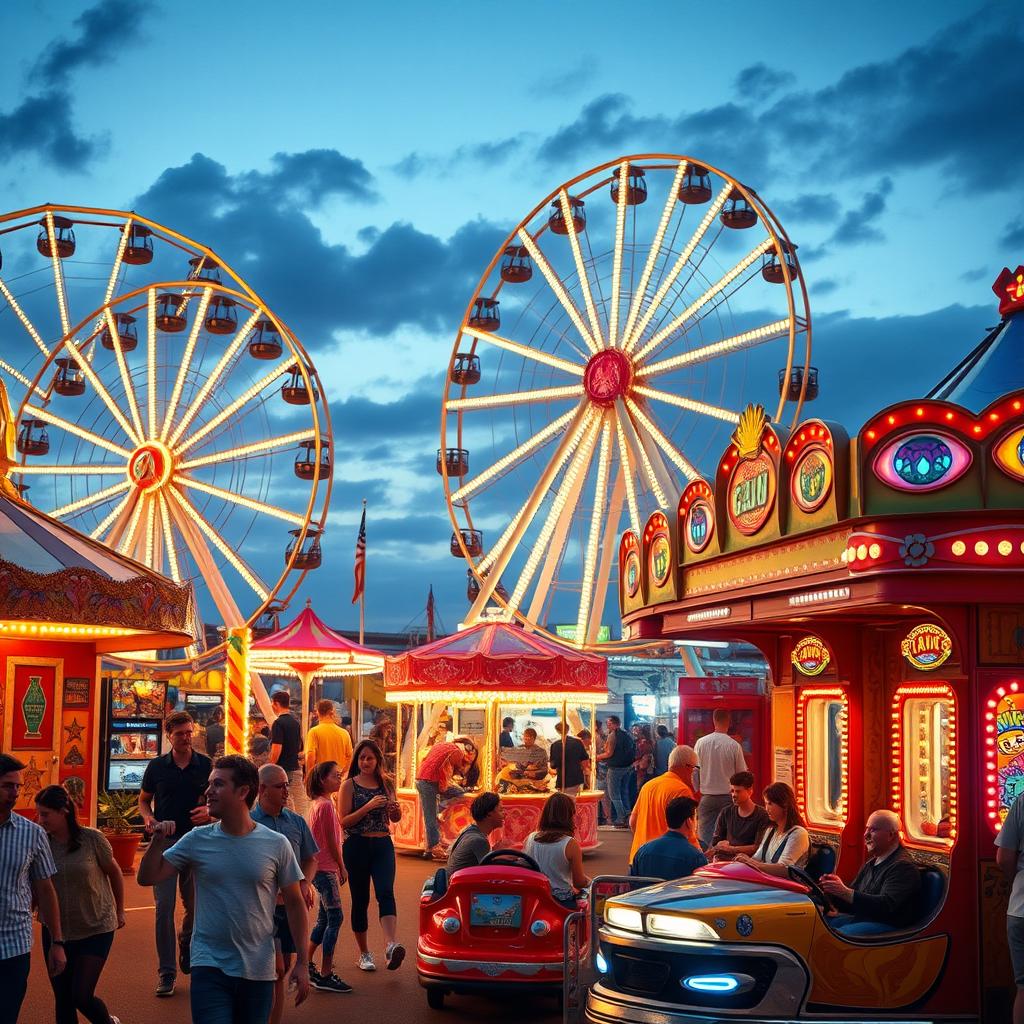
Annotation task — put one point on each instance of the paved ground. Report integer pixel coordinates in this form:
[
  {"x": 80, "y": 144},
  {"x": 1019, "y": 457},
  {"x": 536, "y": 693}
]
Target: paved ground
[{"x": 130, "y": 976}]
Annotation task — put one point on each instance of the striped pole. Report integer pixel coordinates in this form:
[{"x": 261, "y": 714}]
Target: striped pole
[{"x": 236, "y": 733}]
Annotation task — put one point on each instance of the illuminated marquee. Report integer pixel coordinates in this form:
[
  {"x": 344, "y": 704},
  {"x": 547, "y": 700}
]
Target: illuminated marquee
[
  {"x": 926, "y": 647},
  {"x": 752, "y": 486},
  {"x": 811, "y": 656},
  {"x": 1004, "y": 752}
]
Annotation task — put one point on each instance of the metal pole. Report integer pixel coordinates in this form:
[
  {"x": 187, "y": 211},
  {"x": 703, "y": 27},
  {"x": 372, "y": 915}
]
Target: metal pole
[{"x": 565, "y": 743}]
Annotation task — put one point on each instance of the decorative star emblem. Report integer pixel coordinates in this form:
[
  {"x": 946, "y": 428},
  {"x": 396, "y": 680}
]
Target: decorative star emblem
[{"x": 74, "y": 730}]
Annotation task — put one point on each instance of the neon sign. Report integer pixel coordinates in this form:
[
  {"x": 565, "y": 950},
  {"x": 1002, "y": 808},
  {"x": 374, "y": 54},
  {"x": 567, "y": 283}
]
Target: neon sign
[
  {"x": 1009, "y": 286},
  {"x": 1004, "y": 756},
  {"x": 810, "y": 656},
  {"x": 926, "y": 647}
]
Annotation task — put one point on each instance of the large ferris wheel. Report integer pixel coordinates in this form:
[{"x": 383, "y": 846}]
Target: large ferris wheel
[
  {"x": 601, "y": 364},
  {"x": 178, "y": 422}
]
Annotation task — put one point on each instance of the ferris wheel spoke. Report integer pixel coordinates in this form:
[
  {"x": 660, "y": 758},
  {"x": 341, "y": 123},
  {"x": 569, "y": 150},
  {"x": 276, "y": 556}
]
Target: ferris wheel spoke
[
  {"x": 562, "y": 509},
  {"x": 229, "y": 410},
  {"x": 215, "y": 374},
  {"x": 115, "y": 270},
  {"x": 705, "y": 353},
  {"x": 652, "y": 253},
  {"x": 21, "y": 379},
  {"x": 581, "y": 269},
  {"x": 675, "y": 456},
  {"x": 233, "y": 498},
  {"x": 122, "y": 369},
  {"x": 151, "y": 361},
  {"x": 526, "y": 351},
  {"x": 684, "y": 257},
  {"x": 244, "y": 450},
  {"x": 719, "y": 286},
  {"x": 186, "y": 363},
  {"x": 627, "y": 472},
  {"x": 691, "y": 405},
  {"x": 569, "y": 392},
  {"x": 25, "y": 322},
  {"x": 115, "y": 410},
  {"x": 660, "y": 487},
  {"x": 72, "y": 508},
  {"x": 555, "y": 284},
  {"x": 58, "y": 281},
  {"x": 69, "y": 469},
  {"x": 108, "y": 520},
  {"x": 73, "y": 428},
  {"x": 180, "y": 504},
  {"x": 620, "y": 232},
  {"x": 609, "y": 551},
  {"x": 128, "y": 538},
  {"x": 169, "y": 546},
  {"x": 508, "y": 461},
  {"x": 604, "y": 459}
]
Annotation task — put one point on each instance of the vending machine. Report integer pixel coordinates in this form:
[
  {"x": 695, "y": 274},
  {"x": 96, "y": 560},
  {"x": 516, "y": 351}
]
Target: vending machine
[
  {"x": 132, "y": 727},
  {"x": 745, "y": 699}
]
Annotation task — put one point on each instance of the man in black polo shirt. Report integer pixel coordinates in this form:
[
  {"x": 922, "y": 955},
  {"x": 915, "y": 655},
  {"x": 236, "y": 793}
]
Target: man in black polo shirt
[
  {"x": 285, "y": 744},
  {"x": 577, "y": 761},
  {"x": 174, "y": 789}
]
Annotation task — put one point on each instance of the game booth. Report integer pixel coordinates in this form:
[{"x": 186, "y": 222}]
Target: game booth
[
  {"x": 465, "y": 685},
  {"x": 881, "y": 576}
]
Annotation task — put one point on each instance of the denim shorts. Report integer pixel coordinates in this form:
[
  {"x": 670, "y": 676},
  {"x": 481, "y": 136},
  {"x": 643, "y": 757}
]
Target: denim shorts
[
  {"x": 1015, "y": 935},
  {"x": 283, "y": 941}
]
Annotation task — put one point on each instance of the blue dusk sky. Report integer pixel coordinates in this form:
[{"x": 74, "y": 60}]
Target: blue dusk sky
[{"x": 360, "y": 164}]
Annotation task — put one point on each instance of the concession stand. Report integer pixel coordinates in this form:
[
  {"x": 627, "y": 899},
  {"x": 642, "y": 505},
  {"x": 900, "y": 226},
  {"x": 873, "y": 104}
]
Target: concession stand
[
  {"x": 881, "y": 576},
  {"x": 465, "y": 685}
]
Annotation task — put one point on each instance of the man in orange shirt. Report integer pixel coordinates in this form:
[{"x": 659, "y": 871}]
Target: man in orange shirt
[{"x": 648, "y": 818}]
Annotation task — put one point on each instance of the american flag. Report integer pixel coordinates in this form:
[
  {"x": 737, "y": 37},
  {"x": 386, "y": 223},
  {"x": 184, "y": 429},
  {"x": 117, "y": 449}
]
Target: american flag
[{"x": 360, "y": 566}]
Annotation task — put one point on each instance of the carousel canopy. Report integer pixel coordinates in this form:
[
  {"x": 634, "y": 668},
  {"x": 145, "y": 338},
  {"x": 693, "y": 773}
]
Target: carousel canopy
[
  {"x": 495, "y": 658},
  {"x": 308, "y": 645}
]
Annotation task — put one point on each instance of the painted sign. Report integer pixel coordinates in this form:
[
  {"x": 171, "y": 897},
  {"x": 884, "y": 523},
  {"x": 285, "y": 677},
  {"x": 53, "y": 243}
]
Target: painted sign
[
  {"x": 631, "y": 574},
  {"x": 76, "y": 691},
  {"x": 660, "y": 558},
  {"x": 752, "y": 493},
  {"x": 1005, "y": 759},
  {"x": 926, "y": 647},
  {"x": 567, "y": 631},
  {"x": 812, "y": 479},
  {"x": 811, "y": 656},
  {"x": 700, "y": 526},
  {"x": 33, "y": 699}
]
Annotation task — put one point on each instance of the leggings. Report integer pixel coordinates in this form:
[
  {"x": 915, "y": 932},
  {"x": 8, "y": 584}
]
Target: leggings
[
  {"x": 74, "y": 989},
  {"x": 366, "y": 858},
  {"x": 329, "y": 916}
]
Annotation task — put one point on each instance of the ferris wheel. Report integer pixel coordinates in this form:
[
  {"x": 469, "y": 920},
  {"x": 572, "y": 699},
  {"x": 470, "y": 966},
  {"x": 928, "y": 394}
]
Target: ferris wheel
[
  {"x": 601, "y": 365},
  {"x": 179, "y": 423}
]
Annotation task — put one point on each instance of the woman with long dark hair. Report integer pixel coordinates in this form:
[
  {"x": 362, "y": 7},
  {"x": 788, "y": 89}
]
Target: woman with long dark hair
[
  {"x": 368, "y": 806},
  {"x": 786, "y": 842},
  {"x": 643, "y": 763},
  {"x": 553, "y": 846},
  {"x": 90, "y": 890}
]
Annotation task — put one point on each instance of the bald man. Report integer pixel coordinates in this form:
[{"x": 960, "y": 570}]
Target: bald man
[{"x": 884, "y": 895}]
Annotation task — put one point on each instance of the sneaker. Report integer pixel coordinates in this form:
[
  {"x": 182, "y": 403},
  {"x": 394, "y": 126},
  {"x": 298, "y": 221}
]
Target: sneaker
[
  {"x": 185, "y": 957},
  {"x": 166, "y": 986},
  {"x": 314, "y": 975},
  {"x": 366, "y": 962},
  {"x": 332, "y": 983},
  {"x": 394, "y": 954},
  {"x": 115, "y": 1020}
]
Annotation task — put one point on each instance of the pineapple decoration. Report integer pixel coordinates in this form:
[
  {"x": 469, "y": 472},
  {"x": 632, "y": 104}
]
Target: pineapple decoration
[{"x": 752, "y": 486}]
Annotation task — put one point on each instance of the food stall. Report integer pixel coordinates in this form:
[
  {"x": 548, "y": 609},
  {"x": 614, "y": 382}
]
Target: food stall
[{"x": 465, "y": 685}]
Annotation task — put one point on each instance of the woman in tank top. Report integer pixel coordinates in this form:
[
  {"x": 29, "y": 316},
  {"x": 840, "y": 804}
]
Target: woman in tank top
[
  {"x": 787, "y": 842},
  {"x": 555, "y": 849}
]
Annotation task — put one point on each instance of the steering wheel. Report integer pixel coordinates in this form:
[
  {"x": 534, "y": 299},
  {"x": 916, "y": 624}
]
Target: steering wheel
[
  {"x": 511, "y": 858},
  {"x": 818, "y": 895}
]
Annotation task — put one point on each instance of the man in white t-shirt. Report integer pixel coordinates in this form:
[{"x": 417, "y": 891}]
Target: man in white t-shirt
[
  {"x": 720, "y": 757},
  {"x": 1010, "y": 860}
]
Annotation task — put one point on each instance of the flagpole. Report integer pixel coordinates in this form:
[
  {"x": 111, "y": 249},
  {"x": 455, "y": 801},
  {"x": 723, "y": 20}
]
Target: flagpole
[{"x": 362, "y": 622}]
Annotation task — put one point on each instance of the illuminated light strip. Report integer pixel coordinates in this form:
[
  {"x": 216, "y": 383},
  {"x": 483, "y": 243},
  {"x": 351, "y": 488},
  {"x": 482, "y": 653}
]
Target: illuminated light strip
[
  {"x": 21, "y": 378},
  {"x": 151, "y": 362},
  {"x": 26, "y": 323},
  {"x": 165, "y": 525},
  {"x": 128, "y": 540},
  {"x": 596, "y": 526},
  {"x": 250, "y": 449},
  {"x": 73, "y": 428},
  {"x": 720, "y": 285},
  {"x": 620, "y": 229},
  {"x": 992, "y": 792},
  {"x": 677, "y": 458},
  {"x": 707, "y": 352},
  {"x": 828, "y": 693},
  {"x": 506, "y": 461},
  {"x": 118, "y": 260},
  {"x": 186, "y": 362},
  {"x": 677, "y": 267},
  {"x": 525, "y": 351},
  {"x": 58, "y": 278},
  {"x": 516, "y": 398},
  {"x": 229, "y": 410},
  {"x": 709, "y": 614},
  {"x": 240, "y": 499},
  {"x": 627, "y": 472},
  {"x": 126, "y": 380},
  {"x": 208, "y": 384},
  {"x": 496, "y": 552},
  {"x": 580, "y": 459},
  {"x": 470, "y": 698},
  {"x": 150, "y": 529},
  {"x": 108, "y": 519},
  {"x": 89, "y": 499},
  {"x": 558, "y": 288},
  {"x": 90, "y": 375},
  {"x": 52, "y": 628},
  {"x": 581, "y": 267},
  {"x": 106, "y": 469},
  {"x": 703, "y": 408},
  {"x": 653, "y": 253},
  {"x": 645, "y": 459},
  {"x": 819, "y": 597},
  {"x": 211, "y": 535}
]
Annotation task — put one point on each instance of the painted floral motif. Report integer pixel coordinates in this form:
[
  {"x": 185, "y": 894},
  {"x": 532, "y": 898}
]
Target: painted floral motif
[{"x": 916, "y": 549}]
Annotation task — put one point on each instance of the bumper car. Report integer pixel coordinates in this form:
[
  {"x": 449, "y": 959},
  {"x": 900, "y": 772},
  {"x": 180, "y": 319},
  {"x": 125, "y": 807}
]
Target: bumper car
[
  {"x": 494, "y": 929},
  {"x": 733, "y": 943}
]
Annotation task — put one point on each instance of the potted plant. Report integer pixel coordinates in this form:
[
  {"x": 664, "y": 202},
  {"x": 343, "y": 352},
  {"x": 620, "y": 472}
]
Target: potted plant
[{"x": 117, "y": 811}]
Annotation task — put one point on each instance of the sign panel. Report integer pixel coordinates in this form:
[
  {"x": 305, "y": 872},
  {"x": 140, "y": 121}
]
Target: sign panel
[
  {"x": 810, "y": 656},
  {"x": 926, "y": 647},
  {"x": 76, "y": 691},
  {"x": 604, "y": 633},
  {"x": 752, "y": 493},
  {"x": 812, "y": 479}
]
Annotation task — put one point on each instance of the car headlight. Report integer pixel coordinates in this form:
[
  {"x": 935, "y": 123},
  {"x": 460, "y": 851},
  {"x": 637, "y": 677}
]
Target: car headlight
[
  {"x": 676, "y": 927},
  {"x": 624, "y": 917}
]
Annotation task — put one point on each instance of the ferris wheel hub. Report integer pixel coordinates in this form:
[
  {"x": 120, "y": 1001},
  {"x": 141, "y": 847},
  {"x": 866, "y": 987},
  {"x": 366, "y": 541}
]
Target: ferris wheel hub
[
  {"x": 608, "y": 376},
  {"x": 150, "y": 466}
]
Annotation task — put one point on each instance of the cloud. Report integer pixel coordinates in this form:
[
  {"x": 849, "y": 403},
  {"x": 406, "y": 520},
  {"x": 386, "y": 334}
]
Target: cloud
[
  {"x": 811, "y": 207},
  {"x": 489, "y": 154},
  {"x": 314, "y": 175},
  {"x": 858, "y": 226},
  {"x": 414, "y": 414},
  {"x": 43, "y": 125},
  {"x": 563, "y": 84},
  {"x": 1013, "y": 235},
  {"x": 759, "y": 81},
  {"x": 102, "y": 34}
]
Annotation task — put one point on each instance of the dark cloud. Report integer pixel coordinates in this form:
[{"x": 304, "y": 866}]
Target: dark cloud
[
  {"x": 490, "y": 154},
  {"x": 414, "y": 414},
  {"x": 977, "y": 274},
  {"x": 314, "y": 175},
  {"x": 758, "y": 82},
  {"x": 1013, "y": 235},
  {"x": 858, "y": 226},
  {"x": 565, "y": 83},
  {"x": 811, "y": 207},
  {"x": 43, "y": 126},
  {"x": 102, "y": 34},
  {"x": 823, "y": 286}
]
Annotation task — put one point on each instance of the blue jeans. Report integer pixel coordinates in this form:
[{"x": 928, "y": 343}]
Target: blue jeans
[
  {"x": 850, "y": 925},
  {"x": 217, "y": 998},
  {"x": 329, "y": 916},
  {"x": 429, "y": 793},
  {"x": 618, "y": 782}
]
